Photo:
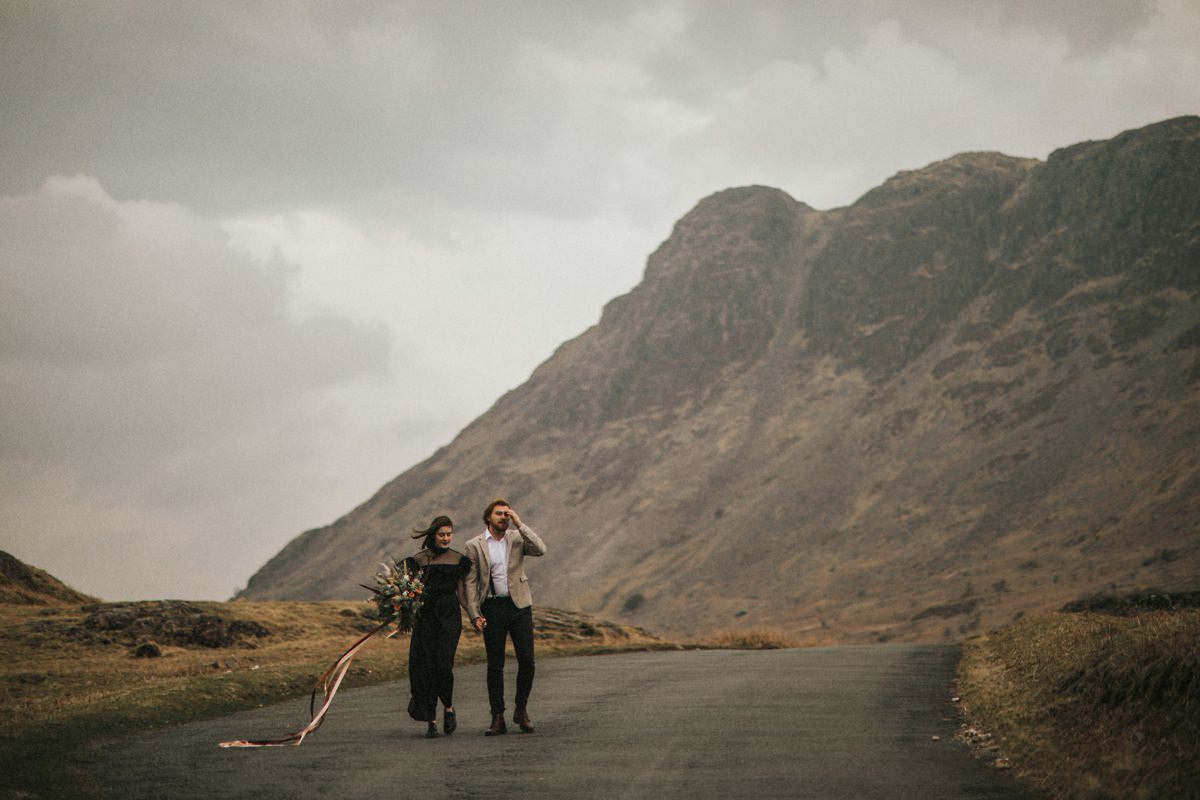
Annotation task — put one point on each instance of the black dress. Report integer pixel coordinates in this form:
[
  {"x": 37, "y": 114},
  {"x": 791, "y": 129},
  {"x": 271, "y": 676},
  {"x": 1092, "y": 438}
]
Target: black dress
[{"x": 435, "y": 632}]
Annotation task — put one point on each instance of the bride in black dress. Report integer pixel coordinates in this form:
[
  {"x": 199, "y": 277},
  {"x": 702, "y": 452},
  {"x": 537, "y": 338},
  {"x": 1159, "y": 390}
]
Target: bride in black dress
[{"x": 438, "y": 625}]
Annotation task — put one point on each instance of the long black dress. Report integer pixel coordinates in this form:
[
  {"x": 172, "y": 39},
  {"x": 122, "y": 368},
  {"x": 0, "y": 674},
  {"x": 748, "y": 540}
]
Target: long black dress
[{"x": 436, "y": 631}]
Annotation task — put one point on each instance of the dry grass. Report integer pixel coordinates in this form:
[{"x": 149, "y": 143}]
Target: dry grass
[
  {"x": 1092, "y": 705},
  {"x": 64, "y": 682},
  {"x": 58, "y": 667},
  {"x": 750, "y": 639}
]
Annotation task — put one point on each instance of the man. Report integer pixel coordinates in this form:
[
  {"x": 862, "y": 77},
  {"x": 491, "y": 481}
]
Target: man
[{"x": 500, "y": 605}]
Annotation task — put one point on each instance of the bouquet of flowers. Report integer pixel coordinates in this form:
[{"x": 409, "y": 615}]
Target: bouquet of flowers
[{"x": 398, "y": 595}]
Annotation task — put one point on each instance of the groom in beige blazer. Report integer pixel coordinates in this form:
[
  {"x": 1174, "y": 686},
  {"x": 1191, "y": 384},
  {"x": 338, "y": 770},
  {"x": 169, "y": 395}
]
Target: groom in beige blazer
[{"x": 500, "y": 605}]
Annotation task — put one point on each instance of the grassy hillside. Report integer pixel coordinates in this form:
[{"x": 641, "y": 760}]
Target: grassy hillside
[
  {"x": 1103, "y": 702},
  {"x": 22, "y": 584}
]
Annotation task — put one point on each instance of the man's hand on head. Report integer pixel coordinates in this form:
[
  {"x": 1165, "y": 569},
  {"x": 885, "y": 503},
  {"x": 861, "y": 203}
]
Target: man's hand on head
[{"x": 514, "y": 517}]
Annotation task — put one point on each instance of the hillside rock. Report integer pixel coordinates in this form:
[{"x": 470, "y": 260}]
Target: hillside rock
[
  {"x": 972, "y": 394},
  {"x": 173, "y": 622}
]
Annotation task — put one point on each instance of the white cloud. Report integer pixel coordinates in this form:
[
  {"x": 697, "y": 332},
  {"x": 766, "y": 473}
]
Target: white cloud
[
  {"x": 826, "y": 131},
  {"x": 473, "y": 304},
  {"x": 1156, "y": 74},
  {"x": 830, "y": 129},
  {"x": 158, "y": 389}
]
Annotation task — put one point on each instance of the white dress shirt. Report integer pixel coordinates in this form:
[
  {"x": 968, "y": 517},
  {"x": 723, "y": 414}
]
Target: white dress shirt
[{"x": 498, "y": 559}]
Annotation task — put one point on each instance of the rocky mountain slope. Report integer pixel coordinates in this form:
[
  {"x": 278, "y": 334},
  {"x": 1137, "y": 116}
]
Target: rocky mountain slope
[{"x": 971, "y": 394}]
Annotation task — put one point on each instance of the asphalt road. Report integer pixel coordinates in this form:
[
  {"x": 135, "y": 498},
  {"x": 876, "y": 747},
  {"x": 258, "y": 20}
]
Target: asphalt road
[{"x": 847, "y": 723}]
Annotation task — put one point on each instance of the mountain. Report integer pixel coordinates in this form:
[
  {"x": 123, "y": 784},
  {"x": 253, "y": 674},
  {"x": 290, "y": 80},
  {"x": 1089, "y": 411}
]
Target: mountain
[
  {"x": 21, "y": 584},
  {"x": 972, "y": 394}
]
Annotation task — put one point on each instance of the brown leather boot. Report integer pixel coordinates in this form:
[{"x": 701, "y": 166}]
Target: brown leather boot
[
  {"x": 498, "y": 727},
  {"x": 522, "y": 719}
]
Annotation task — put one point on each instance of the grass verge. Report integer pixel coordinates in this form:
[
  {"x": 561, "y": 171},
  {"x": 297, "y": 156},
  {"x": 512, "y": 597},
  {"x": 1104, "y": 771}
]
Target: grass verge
[{"x": 1090, "y": 705}]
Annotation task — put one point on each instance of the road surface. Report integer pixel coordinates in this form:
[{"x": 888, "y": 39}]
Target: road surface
[{"x": 844, "y": 723}]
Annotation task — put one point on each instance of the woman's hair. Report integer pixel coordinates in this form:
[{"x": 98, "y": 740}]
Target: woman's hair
[{"x": 438, "y": 522}]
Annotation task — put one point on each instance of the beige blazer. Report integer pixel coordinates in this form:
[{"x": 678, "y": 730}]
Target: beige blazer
[{"x": 521, "y": 542}]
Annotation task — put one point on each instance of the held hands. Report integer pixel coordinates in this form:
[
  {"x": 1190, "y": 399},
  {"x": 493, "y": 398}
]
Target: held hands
[{"x": 480, "y": 623}]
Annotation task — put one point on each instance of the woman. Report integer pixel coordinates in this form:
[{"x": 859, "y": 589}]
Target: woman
[{"x": 438, "y": 625}]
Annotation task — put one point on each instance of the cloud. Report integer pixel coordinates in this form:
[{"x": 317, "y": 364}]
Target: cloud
[
  {"x": 157, "y": 388},
  {"x": 263, "y": 107},
  {"x": 830, "y": 128},
  {"x": 474, "y": 301},
  {"x": 563, "y": 110}
]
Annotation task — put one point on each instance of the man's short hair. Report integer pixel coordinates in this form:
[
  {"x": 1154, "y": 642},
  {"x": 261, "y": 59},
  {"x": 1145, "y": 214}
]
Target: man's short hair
[{"x": 487, "y": 514}]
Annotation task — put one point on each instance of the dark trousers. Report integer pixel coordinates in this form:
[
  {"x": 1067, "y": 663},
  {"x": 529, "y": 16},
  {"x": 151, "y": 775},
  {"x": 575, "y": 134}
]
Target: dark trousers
[{"x": 505, "y": 620}]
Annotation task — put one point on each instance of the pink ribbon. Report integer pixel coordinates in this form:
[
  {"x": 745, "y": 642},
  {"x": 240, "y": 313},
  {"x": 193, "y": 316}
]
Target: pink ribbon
[{"x": 329, "y": 683}]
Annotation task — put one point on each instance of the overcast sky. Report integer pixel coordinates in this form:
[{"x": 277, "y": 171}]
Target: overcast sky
[{"x": 258, "y": 259}]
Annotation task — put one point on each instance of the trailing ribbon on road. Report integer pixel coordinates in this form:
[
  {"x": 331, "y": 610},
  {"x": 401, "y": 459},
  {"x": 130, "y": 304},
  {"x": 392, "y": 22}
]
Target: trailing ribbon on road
[{"x": 328, "y": 683}]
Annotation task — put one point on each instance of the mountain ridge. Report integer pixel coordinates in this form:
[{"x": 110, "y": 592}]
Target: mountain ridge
[{"x": 840, "y": 420}]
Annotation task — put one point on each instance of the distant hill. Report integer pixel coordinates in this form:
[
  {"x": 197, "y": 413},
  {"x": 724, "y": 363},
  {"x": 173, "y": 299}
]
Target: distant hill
[
  {"x": 21, "y": 584},
  {"x": 972, "y": 394}
]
